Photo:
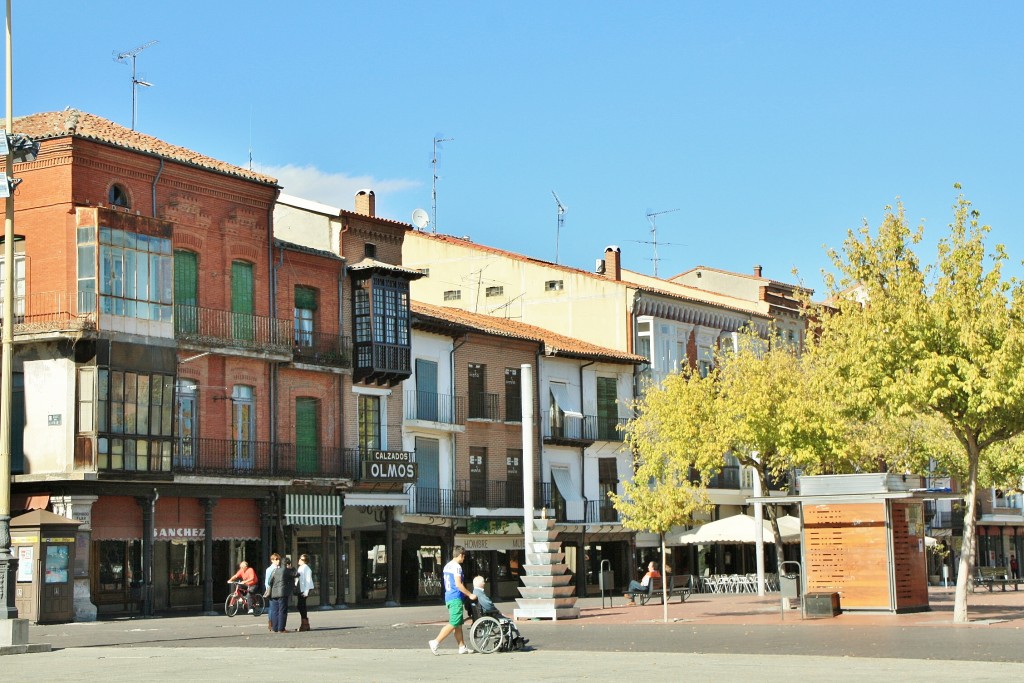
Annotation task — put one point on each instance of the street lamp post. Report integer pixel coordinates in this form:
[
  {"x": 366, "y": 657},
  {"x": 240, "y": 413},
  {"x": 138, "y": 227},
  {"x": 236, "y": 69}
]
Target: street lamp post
[{"x": 11, "y": 631}]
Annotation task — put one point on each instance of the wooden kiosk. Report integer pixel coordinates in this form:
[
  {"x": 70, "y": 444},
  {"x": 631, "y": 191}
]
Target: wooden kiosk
[
  {"x": 864, "y": 539},
  {"x": 44, "y": 544}
]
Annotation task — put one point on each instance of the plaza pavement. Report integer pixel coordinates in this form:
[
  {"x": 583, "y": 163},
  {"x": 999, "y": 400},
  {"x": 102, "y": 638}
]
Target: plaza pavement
[{"x": 708, "y": 638}]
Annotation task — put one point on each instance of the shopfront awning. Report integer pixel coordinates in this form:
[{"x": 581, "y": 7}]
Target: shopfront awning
[
  {"x": 566, "y": 402},
  {"x": 313, "y": 510},
  {"x": 27, "y": 502}
]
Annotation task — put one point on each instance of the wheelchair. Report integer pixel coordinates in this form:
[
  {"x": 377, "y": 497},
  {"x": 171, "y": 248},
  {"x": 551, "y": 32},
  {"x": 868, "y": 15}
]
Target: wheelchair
[{"x": 494, "y": 632}]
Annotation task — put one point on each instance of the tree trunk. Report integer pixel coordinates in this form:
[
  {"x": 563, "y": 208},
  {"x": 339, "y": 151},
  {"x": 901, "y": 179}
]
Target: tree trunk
[
  {"x": 966, "y": 564},
  {"x": 664, "y": 581}
]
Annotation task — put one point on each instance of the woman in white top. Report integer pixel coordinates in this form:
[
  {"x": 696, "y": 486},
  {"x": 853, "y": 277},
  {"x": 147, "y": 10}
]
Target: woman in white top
[{"x": 304, "y": 583}]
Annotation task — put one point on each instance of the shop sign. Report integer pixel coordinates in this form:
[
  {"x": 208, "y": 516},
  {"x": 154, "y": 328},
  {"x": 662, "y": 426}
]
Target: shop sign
[
  {"x": 389, "y": 466},
  {"x": 494, "y": 542},
  {"x": 180, "y": 533}
]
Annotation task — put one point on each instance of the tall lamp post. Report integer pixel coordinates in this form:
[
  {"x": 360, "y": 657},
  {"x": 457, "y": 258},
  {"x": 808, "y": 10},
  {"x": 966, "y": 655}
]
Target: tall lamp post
[{"x": 13, "y": 631}]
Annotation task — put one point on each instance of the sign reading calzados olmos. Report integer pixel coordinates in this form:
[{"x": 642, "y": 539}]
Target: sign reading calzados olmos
[{"x": 389, "y": 466}]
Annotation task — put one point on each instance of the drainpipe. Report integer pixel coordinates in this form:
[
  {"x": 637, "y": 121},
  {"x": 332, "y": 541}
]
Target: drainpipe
[
  {"x": 452, "y": 457},
  {"x": 272, "y": 399},
  {"x": 156, "y": 179}
]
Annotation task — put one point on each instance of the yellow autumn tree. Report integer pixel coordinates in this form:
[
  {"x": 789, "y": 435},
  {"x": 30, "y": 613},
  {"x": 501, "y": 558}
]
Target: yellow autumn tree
[{"x": 943, "y": 340}]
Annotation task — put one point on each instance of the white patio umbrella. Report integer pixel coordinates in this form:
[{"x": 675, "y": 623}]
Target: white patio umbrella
[{"x": 733, "y": 529}]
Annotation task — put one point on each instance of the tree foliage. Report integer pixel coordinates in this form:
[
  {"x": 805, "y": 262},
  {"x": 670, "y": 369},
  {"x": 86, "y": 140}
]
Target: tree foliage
[{"x": 936, "y": 347}]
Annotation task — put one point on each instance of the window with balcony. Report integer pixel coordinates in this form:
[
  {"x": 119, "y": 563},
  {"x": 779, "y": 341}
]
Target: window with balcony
[
  {"x": 243, "y": 427},
  {"x": 608, "y": 482},
  {"x": 305, "y": 308},
  {"x": 477, "y": 389},
  {"x": 186, "y": 292},
  {"x": 513, "y": 396},
  {"x": 307, "y": 435},
  {"x": 369, "y": 423},
  {"x": 478, "y": 476},
  {"x": 243, "y": 294},
  {"x": 607, "y": 409},
  {"x": 565, "y": 418},
  {"x": 19, "y": 280},
  {"x": 187, "y": 441},
  {"x": 133, "y": 418},
  {"x": 514, "y": 477}
]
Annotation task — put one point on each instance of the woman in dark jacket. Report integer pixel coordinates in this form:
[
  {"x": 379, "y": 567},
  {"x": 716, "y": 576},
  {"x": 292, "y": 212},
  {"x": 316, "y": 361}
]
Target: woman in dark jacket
[{"x": 279, "y": 589}]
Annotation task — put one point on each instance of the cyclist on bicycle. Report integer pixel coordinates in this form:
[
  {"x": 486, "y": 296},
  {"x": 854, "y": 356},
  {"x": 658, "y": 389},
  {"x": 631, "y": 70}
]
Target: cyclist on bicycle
[{"x": 246, "y": 575}]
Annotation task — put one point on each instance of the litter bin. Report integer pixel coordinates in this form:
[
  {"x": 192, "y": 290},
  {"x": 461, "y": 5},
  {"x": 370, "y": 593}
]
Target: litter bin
[{"x": 789, "y": 585}]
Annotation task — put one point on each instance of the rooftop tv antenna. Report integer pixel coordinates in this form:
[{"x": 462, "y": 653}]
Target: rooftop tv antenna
[
  {"x": 561, "y": 221},
  {"x": 136, "y": 81},
  {"x": 433, "y": 192},
  {"x": 652, "y": 216}
]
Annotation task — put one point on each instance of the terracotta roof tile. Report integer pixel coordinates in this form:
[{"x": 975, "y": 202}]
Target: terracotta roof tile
[
  {"x": 554, "y": 344},
  {"x": 75, "y": 123}
]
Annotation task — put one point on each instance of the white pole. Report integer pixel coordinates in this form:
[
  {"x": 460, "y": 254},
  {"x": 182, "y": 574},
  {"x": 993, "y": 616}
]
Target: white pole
[
  {"x": 759, "y": 535},
  {"x": 527, "y": 411}
]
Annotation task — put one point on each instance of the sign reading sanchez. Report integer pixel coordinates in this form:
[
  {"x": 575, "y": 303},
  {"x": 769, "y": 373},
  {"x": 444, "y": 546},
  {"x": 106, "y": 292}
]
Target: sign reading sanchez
[{"x": 389, "y": 466}]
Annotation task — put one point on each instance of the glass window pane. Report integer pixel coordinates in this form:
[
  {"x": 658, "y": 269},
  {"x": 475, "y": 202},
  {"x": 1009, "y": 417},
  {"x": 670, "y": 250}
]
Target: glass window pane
[{"x": 143, "y": 405}]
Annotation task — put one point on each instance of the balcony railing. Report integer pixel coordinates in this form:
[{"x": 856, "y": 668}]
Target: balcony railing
[
  {"x": 212, "y": 327},
  {"x": 727, "y": 478},
  {"x": 228, "y": 457},
  {"x": 444, "y": 502},
  {"x": 483, "y": 407},
  {"x": 381, "y": 363},
  {"x": 492, "y": 494},
  {"x": 611, "y": 428},
  {"x": 945, "y": 519},
  {"x": 54, "y": 311},
  {"x": 321, "y": 348},
  {"x": 601, "y": 512},
  {"x": 571, "y": 429},
  {"x": 433, "y": 407}
]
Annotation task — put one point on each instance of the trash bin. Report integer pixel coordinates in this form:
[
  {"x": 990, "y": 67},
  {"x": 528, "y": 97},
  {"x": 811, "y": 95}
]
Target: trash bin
[
  {"x": 606, "y": 580},
  {"x": 789, "y": 585}
]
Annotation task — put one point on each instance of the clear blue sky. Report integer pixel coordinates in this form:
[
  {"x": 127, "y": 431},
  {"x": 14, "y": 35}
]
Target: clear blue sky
[{"x": 772, "y": 126}]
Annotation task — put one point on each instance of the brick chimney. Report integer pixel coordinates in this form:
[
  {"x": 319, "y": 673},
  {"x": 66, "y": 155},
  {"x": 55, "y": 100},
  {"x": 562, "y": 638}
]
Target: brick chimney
[
  {"x": 757, "y": 271},
  {"x": 366, "y": 203},
  {"x": 612, "y": 264}
]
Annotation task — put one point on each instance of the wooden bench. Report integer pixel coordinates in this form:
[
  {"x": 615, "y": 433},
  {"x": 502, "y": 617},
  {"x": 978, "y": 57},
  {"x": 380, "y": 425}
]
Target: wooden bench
[
  {"x": 990, "y": 577},
  {"x": 655, "y": 590}
]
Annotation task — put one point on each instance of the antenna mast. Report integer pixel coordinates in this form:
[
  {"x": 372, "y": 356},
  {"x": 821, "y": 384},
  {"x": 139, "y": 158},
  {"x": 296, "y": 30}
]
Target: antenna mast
[
  {"x": 561, "y": 221},
  {"x": 433, "y": 191},
  {"x": 123, "y": 58},
  {"x": 652, "y": 217}
]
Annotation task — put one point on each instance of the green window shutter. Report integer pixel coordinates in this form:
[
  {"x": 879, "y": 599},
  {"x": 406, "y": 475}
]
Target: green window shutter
[
  {"x": 307, "y": 435},
  {"x": 242, "y": 295},
  {"x": 241, "y": 288},
  {"x": 305, "y": 298},
  {"x": 607, "y": 412},
  {"x": 186, "y": 285}
]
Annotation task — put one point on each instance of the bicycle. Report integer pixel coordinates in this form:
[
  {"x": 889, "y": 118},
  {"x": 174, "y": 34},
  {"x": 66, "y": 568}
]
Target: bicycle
[{"x": 239, "y": 600}]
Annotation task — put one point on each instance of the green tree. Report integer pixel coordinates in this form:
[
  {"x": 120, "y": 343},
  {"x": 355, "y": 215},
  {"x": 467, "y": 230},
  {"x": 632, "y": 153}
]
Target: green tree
[
  {"x": 660, "y": 495},
  {"x": 944, "y": 340}
]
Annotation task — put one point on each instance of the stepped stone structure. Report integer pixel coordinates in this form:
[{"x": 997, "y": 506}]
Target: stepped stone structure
[{"x": 547, "y": 592}]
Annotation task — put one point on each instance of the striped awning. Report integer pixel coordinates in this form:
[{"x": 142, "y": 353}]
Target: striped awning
[{"x": 313, "y": 510}]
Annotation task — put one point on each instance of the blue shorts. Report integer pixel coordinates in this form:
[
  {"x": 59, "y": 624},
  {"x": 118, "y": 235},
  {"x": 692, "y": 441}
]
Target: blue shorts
[{"x": 456, "y": 612}]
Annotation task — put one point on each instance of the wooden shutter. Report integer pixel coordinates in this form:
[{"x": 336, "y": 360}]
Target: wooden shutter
[{"x": 307, "y": 435}]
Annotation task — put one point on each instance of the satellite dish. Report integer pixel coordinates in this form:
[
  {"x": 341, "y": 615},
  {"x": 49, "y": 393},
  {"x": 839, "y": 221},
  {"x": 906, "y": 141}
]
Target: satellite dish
[{"x": 420, "y": 218}]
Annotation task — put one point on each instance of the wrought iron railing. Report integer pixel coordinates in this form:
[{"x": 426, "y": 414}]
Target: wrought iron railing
[
  {"x": 483, "y": 407},
  {"x": 611, "y": 428},
  {"x": 229, "y": 457},
  {"x": 321, "y": 348},
  {"x": 54, "y": 311},
  {"x": 492, "y": 494},
  {"x": 444, "y": 502},
  {"x": 571, "y": 428},
  {"x": 210, "y": 326},
  {"x": 434, "y": 407}
]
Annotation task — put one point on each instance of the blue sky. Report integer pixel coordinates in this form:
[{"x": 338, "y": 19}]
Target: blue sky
[{"x": 772, "y": 127}]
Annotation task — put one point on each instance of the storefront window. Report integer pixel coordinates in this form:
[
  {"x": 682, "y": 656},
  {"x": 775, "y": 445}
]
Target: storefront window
[
  {"x": 185, "y": 563},
  {"x": 119, "y": 572}
]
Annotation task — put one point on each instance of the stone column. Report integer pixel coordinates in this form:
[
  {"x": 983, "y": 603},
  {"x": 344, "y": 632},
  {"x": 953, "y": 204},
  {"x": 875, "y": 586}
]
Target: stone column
[
  {"x": 79, "y": 508},
  {"x": 342, "y": 582},
  {"x": 208, "y": 505},
  {"x": 148, "y": 506}
]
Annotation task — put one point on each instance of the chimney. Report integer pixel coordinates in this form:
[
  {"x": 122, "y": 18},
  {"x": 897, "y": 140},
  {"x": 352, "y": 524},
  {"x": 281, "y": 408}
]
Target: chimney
[
  {"x": 757, "y": 271},
  {"x": 365, "y": 203},
  {"x": 612, "y": 266}
]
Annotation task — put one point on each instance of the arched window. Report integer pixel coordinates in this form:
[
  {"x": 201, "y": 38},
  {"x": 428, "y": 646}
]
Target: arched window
[{"x": 117, "y": 196}]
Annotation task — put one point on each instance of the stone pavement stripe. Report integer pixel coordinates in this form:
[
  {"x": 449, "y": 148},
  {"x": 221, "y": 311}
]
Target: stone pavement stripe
[{"x": 135, "y": 665}]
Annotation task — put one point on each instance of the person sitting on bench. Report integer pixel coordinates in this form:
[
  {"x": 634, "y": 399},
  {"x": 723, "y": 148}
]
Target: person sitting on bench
[{"x": 643, "y": 584}]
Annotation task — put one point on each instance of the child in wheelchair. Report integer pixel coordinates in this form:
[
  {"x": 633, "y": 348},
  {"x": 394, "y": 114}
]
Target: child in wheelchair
[{"x": 513, "y": 639}]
